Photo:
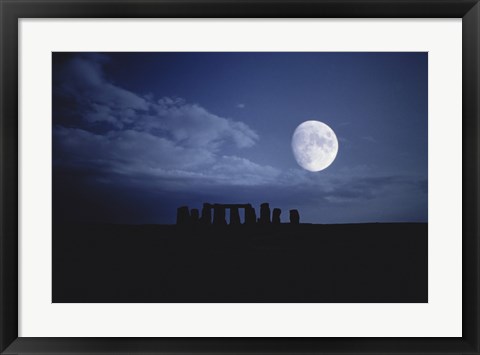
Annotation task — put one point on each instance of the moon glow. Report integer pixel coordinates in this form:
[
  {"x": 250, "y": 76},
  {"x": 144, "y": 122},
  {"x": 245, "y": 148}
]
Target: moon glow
[{"x": 314, "y": 145}]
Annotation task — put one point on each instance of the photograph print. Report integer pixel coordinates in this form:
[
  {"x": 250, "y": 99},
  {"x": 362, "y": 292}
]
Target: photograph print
[{"x": 240, "y": 177}]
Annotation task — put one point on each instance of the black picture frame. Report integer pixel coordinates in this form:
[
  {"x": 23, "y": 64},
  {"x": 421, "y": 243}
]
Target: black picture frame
[{"x": 12, "y": 10}]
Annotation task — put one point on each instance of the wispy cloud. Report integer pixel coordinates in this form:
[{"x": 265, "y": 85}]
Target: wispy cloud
[
  {"x": 116, "y": 130},
  {"x": 369, "y": 139}
]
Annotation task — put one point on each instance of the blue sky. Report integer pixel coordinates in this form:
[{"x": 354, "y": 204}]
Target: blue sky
[{"x": 135, "y": 135}]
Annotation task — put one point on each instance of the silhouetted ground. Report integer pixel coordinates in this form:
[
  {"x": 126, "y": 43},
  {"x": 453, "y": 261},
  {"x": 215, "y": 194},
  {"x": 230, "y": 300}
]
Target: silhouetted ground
[{"x": 286, "y": 263}]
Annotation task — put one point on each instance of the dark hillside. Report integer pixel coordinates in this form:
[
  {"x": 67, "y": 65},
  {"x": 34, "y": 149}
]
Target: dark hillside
[{"x": 282, "y": 263}]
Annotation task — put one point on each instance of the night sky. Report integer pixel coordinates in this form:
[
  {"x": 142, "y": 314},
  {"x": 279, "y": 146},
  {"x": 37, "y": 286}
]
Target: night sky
[{"x": 136, "y": 135}]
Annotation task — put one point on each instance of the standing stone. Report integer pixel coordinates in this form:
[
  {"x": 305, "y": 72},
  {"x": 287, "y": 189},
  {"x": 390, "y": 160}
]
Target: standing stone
[
  {"x": 194, "y": 216},
  {"x": 264, "y": 213},
  {"x": 250, "y": 215},
  {"x": 206, "y": 214},
  {"x": 276, "y": 215},
  {"x": 234, "y": 216},
  {"x": 183, "y": 215},
  {"x": 219, "y": 215},
  {"x": 294, "y": 217}
]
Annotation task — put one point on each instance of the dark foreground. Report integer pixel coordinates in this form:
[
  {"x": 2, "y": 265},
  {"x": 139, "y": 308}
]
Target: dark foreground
[{"x": 304, "y": 263}]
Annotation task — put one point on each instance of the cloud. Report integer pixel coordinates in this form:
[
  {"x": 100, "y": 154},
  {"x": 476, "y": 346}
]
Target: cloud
[
  {"x": 369, "y": 139},
  {"x": 370, "y": 187},
  {"x": 241, "y": 106},
  {"x": 192, "y": 125},
  {"x": 82, "y": 78},
  {"x": 233, "y": 170},
  {"x": 125, "y": 152},
  {"x": 110, "y": 129},
  {"x": 142, "y": 155},
  {"x": 101, "y": 104}
]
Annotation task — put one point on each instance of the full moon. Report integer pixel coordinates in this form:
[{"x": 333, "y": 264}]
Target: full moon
[{"x": 314, "y": 145}]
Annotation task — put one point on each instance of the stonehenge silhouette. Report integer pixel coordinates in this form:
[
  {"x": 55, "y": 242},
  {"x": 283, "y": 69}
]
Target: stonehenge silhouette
[{"x": 185, "y": 216}]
